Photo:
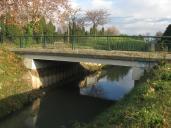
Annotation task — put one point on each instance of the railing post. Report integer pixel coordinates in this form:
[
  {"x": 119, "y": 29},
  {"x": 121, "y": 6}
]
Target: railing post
[
  {"x": 1, "y": 38},
  {"x": 73, "y": 42},
  {"x": 21, "y": 44},
  {"x": 108, "y": 42},
  {"x": 44, "y": 41}
]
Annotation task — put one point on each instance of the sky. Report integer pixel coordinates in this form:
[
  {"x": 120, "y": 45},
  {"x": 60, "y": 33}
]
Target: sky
[{"x": 132, "y": 17}]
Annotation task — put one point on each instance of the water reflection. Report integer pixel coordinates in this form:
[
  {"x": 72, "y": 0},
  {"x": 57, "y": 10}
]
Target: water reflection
[
  {"x": 110, "y": 84},
  {"x": 27, "y": 118},
  {"x": 62, "y": 106},
  {"x": 58, "y": 109}
]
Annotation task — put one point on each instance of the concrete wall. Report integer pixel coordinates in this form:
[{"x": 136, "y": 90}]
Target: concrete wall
[{"x": 46, "y": 73}]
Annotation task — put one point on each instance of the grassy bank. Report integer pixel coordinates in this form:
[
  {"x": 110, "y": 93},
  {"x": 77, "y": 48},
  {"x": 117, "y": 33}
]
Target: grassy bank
[
  {"x": 13, "y": 86},
  {"x": 147, "y": 106}
]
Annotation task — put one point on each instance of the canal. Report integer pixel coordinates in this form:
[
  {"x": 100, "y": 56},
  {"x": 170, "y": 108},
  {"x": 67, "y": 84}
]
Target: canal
[{"x": 78, "y": 101}]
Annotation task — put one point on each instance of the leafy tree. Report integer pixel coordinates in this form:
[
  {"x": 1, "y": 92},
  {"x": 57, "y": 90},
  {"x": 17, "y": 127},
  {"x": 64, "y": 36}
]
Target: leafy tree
[
  {"x": 102, "y": 32},
  {"x": 168, "y": 31},
  {"x": 12, "y": 31},
  {"x": 50, "y": 29},
  {"x": 93, "y": 30},
  {"x": 167, "y": 41},
  {"x": 40, "y": 27}
]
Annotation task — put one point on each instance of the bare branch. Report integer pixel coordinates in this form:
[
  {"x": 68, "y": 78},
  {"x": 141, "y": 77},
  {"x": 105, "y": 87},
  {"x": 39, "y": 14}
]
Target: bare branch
[{"x": 97, "y": 17}]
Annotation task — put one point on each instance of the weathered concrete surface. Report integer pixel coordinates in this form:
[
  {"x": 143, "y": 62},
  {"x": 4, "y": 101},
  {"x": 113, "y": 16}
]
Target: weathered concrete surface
[
  {"x": 124, "y": 58},
  {"x": 126, "y": 55},
  {"x": 46, "y": 73}
]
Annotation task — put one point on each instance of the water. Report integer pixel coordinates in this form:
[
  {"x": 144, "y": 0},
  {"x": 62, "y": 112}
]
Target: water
[
  {"x": 79, "y": 101},
  {"x": 110, "y": 84}
]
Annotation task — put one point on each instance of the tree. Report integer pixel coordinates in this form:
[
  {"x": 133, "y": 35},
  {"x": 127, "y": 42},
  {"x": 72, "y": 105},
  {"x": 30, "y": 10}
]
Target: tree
[
  {"x": 167, "y": 31},
  {"x": 97, "y": 17},
  {"x": 159, "y": 34},
  {"x": 112, "y": 31},
  {"x": 25, "y": 11},
  {"x": 167, "y": 41},
  {"x": 102, "y": 31},
  {"x": 40, "y": 27},
  {"x": 50, "y": 29}
]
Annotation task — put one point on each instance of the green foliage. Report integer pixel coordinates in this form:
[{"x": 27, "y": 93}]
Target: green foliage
[
  {"x": 102, "y": 32},
  {"x": 166, "y": 76},
  {"x": 93, "y": 30},
  {"x": 2, "y": 26},
  {"x": 50, "y": 29},
  {"x": 167, "y": 33},
  {"x": 13, "y": 30},
  {"x": 112, "y": 43},
  {"x": 149, "y": 118}
]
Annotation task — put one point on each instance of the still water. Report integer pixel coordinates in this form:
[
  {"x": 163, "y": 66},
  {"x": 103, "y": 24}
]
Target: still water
[{"x": 81, "y": 100}]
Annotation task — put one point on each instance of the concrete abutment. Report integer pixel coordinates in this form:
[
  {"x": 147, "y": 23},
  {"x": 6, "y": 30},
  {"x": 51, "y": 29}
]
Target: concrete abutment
[{"x": 45, "y": 73}]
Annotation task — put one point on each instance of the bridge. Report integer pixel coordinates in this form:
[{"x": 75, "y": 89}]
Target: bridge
[
  {"x": 137, "y": 52},
  {"x": 120, "y": 58}
]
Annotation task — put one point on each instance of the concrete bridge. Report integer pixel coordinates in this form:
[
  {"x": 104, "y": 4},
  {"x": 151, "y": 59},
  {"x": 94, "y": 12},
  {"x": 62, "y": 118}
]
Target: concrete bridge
[
  {"x": 121, "y": 58},
  {"x": 38, "y": 59}
]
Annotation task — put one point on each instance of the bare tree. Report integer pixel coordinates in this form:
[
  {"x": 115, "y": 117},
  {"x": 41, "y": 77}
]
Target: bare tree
[
  {"x": 112, "y": 31},
  {"x": 159, "y": 34},
  {"x": 81, "y": 21},
  {"x": 70, "y": 17},
  {"x": 97, "y": 17}
]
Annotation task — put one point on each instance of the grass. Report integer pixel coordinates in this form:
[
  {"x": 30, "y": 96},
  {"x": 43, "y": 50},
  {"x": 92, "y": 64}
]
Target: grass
[
  {"x": 112, "y": 43},
  {"x": 147, "y": 106},
  {"x": 13, "y": 86}
]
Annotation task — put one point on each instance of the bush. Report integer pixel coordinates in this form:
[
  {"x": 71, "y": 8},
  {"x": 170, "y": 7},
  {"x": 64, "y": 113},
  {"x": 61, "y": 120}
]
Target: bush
[{"x": 166, "y": 76}]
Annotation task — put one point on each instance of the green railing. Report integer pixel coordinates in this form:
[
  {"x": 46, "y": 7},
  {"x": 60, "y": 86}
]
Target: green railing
[{"x": 122, "y": 43}]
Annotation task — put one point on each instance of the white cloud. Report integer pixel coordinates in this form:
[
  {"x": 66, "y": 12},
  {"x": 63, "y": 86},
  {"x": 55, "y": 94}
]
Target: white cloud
[
  {"x": 107, "y": 4},
  {"x": 134, "y": 16}
]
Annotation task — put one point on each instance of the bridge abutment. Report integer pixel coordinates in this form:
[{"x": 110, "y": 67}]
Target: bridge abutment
[{"x": 46, "y": 73}]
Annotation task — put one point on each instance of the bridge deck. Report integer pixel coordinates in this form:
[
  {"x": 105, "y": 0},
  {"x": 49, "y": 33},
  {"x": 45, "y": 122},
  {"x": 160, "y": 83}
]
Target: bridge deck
[{"x": 96, "y": 54}]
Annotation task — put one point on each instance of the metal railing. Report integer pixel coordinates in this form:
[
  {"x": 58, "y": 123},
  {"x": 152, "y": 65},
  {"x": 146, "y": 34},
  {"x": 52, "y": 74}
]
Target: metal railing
[{"x": 122, "y": 43}]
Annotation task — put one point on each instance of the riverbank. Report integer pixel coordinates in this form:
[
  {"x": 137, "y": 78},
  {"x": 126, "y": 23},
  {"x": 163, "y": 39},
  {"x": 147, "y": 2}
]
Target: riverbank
[
  {"x": 148, "y": 105},
  {"x": 16, "y": 91},
  {"x": 14, "y": 88}
]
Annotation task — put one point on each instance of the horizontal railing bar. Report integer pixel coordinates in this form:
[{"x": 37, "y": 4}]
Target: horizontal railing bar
[{"x": 95, "y": 36}]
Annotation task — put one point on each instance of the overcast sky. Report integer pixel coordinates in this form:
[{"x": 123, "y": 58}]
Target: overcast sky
[{"x": 133, "y": 16}]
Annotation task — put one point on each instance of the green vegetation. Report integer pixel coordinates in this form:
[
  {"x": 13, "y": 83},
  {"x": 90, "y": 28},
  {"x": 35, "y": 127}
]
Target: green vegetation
[
  {"x": 10, "y": 31},
  {"x": 112, "y": 43},
  {"x": 167, "y": 33},
  {"x": 13, "y": 86},
  {"x": 147, "y": 106}
]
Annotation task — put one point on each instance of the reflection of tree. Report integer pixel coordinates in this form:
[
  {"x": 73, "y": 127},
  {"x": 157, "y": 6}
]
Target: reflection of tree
[
  {"x": 115, "y": 72},
  {"x": 96, "y": 91},
  {"x": 111, "y": 72}
]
